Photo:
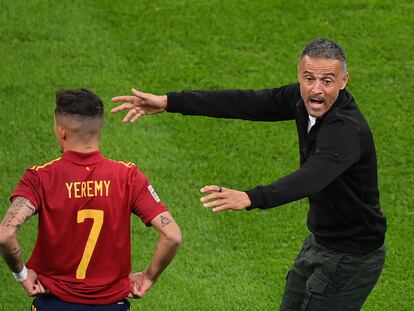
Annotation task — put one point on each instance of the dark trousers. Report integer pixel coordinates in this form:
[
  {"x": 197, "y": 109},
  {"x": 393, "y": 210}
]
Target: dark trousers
[
  {"x": 324, "y": 279},
  {"x": 52, "y": 303}
]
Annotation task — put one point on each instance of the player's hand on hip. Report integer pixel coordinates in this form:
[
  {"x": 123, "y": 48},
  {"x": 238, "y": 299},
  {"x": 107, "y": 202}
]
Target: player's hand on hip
[
  {"x": 219, "y": 198},
  {"x": 140, "y": 284},
  {"x": 32, "y": 285},
  {"x": 139, "y": 104}
]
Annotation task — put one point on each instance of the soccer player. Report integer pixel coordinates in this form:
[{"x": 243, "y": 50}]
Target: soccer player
[{"x": 84, "y": 201}]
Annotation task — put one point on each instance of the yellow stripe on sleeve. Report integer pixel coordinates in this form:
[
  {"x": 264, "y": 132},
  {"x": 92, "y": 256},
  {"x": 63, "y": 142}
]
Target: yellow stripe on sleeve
[
  {"x": 127, "y": 164},
  {"x": 38, "y": 167}
]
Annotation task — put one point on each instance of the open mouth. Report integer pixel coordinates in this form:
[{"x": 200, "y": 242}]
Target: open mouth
[{"x": 316, "y": 102}]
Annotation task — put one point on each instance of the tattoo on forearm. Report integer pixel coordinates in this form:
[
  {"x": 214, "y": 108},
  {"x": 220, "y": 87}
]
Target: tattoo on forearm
[
  {"x": 14, "y": 259},
  {"x": 19, "y": 212},
  {"x": 165, "y": 221}
]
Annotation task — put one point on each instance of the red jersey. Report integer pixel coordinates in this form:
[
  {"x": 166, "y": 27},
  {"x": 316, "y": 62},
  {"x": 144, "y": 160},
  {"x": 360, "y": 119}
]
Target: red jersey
[{"x": 84, "y": 202}]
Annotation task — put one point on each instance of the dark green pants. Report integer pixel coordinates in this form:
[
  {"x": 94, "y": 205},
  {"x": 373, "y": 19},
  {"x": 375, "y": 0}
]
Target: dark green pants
[{"x": 324, "y": 279}]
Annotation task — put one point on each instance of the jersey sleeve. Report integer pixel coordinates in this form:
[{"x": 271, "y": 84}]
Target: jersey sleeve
[
  {"x": 29, "y": 188},
  {"x": 147, "y": 204}
]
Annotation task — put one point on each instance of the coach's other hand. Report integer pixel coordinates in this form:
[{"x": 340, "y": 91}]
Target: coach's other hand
[
  {"x": 139, "y": 104},
  {"x": 219, "y": 198}
]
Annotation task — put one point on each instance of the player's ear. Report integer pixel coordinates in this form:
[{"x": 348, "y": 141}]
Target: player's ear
[{"x": 61, "y": 132}]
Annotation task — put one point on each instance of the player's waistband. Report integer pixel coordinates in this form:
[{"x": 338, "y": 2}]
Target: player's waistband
[{"x": 53, "y": 303}]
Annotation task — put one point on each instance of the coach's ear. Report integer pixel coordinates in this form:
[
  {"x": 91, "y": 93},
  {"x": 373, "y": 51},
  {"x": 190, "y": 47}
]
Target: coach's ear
[{"x": 344, "y": 81}]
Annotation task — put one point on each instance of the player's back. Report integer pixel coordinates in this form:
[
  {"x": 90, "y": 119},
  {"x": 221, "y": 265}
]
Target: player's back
[{"x": 84, "y": 201}]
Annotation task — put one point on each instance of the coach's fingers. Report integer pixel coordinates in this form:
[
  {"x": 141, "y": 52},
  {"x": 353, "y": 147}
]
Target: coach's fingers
[
  {"x": 122, "y": 107},
  {"x": 140, "y": 94},
  {"x": 136, "y": 117},
  {"x": 131, "y": 113},
  {"x": 215, "y": 203},
  {"x": 123, "y": 99},
  {"x": 222, "y": 208},
  {"x": 211, "y": 188},
  {"x": 212, "y": 196}
]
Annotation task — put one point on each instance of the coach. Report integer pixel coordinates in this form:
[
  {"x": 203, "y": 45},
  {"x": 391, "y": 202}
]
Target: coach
[{"x": 343, "y": 256}]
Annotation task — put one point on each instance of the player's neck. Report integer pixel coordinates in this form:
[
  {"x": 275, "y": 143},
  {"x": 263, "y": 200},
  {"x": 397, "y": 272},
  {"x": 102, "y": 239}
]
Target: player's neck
[{"x": 84, "y": 148}]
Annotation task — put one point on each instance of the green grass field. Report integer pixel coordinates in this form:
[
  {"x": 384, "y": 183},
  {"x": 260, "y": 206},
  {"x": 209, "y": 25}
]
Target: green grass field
[{"x": 228, "y": 261}]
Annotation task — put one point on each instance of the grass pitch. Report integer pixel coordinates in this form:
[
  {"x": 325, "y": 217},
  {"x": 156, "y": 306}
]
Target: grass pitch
[{"x": 228, "y": 261}]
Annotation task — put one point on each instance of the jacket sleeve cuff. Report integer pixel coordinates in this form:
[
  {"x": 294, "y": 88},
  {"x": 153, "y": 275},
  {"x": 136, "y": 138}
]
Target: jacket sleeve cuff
[
  {"x": 173, "y": 102},
  {"x": 257, "y": 198}
]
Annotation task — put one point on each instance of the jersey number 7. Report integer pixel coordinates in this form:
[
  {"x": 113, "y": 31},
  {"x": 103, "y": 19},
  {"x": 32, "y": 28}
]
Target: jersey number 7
[{"x": 97, "y": 216}]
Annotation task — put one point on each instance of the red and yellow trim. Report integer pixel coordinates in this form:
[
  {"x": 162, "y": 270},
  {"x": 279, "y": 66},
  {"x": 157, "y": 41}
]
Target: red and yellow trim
[
  {"x": 127, "y": 164},
  {"x": 38, "y": 167}
]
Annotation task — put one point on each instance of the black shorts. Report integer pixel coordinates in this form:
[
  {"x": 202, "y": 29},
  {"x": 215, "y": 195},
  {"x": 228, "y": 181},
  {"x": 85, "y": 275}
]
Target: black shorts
[{"x": 52, "y": 303}]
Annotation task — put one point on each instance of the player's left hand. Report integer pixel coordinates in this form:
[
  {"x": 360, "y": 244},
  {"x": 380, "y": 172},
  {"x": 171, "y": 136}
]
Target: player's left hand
[
  {"x": 219, "y": 198},
  {"x": 140, "y": 284}
]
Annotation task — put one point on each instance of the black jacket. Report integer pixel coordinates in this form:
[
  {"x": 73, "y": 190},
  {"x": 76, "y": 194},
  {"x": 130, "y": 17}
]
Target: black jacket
[{"x": 338, "y": 171}]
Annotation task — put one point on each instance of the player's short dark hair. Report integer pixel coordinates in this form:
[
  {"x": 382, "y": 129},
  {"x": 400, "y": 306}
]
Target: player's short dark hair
[
  {"x": 80, "y": 102},
  {"x": 325, "y": 48}
]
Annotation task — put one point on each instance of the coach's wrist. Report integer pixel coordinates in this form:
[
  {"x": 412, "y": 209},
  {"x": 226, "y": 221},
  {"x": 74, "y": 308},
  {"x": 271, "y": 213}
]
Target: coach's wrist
[
  {"x": 22, "y": 275},
  {"x": 164, "y": 102}
]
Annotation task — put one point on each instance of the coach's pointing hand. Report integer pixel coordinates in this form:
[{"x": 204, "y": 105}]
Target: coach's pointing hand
[
  {"x": 139, "y": 104},
  {"x": 220, "y": 198}
]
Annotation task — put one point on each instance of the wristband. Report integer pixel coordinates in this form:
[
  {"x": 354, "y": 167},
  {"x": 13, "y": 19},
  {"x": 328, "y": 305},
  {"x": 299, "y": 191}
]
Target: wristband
[{"x": 22, "y": 275}]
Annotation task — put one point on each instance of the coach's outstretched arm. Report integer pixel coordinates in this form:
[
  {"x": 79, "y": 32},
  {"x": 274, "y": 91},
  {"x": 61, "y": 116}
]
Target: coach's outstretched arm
[
  {"x": 19, "y": 212},
  {"x": 167, "y": 246},
  {"x": 140, "y": 104}
]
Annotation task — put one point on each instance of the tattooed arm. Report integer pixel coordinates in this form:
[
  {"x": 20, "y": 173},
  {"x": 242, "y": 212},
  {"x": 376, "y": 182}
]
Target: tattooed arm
[
  {"x": 167, "y": 246},
  {"x": 19, "y": 212}
]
